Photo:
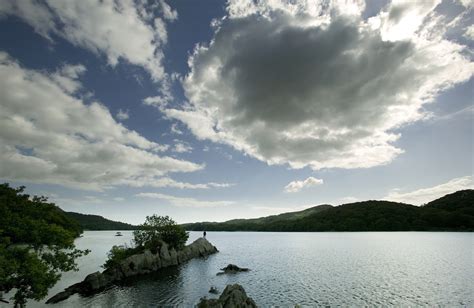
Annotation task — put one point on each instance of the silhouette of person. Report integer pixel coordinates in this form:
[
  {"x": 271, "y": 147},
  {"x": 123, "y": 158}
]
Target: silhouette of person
[{"x": 204, "y": 234}]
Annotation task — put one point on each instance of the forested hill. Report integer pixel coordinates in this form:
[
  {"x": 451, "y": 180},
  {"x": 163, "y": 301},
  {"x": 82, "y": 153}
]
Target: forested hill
[
  {"x": 31, "y": 219},
  {"x": 459, "y": 201},
  {"x": 96, "y": 222},
  {"x": 255, "y": 224},
  {"x": 453, "y": 212}
]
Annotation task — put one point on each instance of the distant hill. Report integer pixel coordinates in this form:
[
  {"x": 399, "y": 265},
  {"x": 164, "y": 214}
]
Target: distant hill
[
  {"x": 255, "y": 224},
  {"x": 454, "y": 212},
  {"x": 96, "y": 222},
  {"x": 461, "y": 200}
]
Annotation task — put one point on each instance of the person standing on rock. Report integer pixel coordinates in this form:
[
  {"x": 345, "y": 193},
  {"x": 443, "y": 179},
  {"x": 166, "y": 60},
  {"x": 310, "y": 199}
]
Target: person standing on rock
[{"x": 204, "y": 234}]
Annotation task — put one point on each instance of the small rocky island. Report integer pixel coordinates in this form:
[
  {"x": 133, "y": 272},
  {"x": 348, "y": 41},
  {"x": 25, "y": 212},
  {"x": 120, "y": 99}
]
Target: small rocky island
[
  {"x": 233, "y": 296},
  {"x": 138, "y": 264},
  {"x": 232, "y": 269}
]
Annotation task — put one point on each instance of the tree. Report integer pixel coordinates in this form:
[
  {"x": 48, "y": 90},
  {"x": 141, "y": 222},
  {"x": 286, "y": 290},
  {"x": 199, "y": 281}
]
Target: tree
[
  {"x": 36, "y": 244},
  {"x": 160, "y": 228}
]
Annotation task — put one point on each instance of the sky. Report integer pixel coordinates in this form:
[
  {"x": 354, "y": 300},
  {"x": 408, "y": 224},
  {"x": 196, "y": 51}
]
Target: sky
[{"x": 235, "y": 109}]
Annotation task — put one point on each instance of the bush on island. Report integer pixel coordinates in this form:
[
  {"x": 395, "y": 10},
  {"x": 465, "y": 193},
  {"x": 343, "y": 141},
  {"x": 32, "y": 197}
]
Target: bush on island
[{"x": 150, "y": 235}]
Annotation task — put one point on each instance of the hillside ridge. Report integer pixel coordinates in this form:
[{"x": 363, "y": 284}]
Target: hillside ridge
[
  {"x": 452, "y": 212},
  {"x": 92, "y": 222}
]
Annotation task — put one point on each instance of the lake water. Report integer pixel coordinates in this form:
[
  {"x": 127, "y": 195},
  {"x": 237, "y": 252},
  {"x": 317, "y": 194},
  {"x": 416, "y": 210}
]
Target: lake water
[{"x": 309, "y": 269}]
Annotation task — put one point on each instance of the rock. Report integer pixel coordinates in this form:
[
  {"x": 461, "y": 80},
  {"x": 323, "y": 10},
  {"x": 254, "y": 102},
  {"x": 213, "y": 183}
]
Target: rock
[
  {"x": 234, "y": 296},
  {"x": 173, "y": 257},
  {"x": 134, "y": 265},
  {"x": 113, "y": 274},
  {"x": 232, "y": 269},
  {"x": 213, "y": 290},
  {"x": 75, "y": 288},
  {"x": 59, "y": 297},
  {"x": 165, "y": 256},
  {"x": 95, "y": 281}
]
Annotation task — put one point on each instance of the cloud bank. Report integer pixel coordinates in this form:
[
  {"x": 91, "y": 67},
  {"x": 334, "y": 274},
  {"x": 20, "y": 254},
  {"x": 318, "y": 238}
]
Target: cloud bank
[
  {"x": 184, "y": 202},
  {"x": 315, "y": 84},
  {"x": 127, "y": 30},
  {"x": 425, "y": 195},
  {"x": 50, "y": 135}
]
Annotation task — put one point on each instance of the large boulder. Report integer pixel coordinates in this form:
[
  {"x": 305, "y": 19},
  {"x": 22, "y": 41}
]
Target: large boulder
[
  {"x": 234, "y": 296},
  {"x": 95, "y": 281}
]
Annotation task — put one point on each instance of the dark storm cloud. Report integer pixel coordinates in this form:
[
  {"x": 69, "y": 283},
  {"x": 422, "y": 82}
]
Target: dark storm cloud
[{"x": 327, "y": 94}]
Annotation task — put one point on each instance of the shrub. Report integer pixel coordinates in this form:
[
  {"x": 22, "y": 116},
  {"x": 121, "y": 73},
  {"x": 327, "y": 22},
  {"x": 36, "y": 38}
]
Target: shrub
[
  {"x": 151, "y": 235},
  {"x": 160, "y": 228},
  {"x": 118, "y": 254}
]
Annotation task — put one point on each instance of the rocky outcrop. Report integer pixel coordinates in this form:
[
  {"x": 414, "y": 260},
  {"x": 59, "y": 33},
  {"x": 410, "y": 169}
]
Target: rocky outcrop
[
  {"x": 234, "y": 296},
  {"x": 232, "y": 269},
  {"x": 139, "y": 264}
]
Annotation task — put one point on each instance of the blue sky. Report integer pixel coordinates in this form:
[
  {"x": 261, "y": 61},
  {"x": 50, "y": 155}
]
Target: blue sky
[{"x": 231, "y": 109}]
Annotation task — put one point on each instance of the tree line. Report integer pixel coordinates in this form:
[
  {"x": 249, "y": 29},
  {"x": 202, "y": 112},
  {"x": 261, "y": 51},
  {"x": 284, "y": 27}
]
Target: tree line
[{"x": 453, "y": 212}]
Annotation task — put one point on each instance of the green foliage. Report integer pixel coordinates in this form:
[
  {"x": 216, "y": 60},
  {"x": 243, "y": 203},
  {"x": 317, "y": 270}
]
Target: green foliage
[
  {"x": 96, "y": 222},
  {"x": 160, "y": 228},
  {"x": 461, "y": 201},
  {"x": 120, "y": 253},
  {"x": 150, "y": 235},
  {"x": 454, "y": 212},
  {"x": 36, "y": 244}
]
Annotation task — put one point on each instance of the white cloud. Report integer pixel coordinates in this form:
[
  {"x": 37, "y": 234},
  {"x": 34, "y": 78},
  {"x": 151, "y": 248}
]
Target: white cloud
[
  {"x": 159, "y": 101},
  {"x": 37, "y": 15},
  {"x": 470, "y": 32},
  {"x": 425, "y": 195},
  {"x": 296, "y": 186},
  {"x": 467, "y": 3},
  {"x": 312, "y": 9},
  {"x": 166, "y": 182},
  {"x": 181, "y": 147},
  {"x": 175, "y": 129},
  {"x": 119, "y": 29},
  {"x": 403, "y": 18},
  {"x": 48, "y": 135},
  {"x": 220, "y": 185},
  {"x": 67, "y": 77},
  {"x": 314, "y": 85},
  {"x": 123, "y": 114},
  {"x": 184, "y": 202},
  {"x": 168, "y": 12}
]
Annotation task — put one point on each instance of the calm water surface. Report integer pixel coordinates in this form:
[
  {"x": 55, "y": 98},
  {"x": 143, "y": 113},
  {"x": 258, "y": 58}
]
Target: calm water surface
[{"x": 309, "y": 269}]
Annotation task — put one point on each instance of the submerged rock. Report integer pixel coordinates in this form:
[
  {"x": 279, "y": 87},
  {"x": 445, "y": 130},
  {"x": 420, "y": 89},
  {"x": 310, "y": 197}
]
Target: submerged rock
[
  {"x": 138, "y": 264},
  {"x": 232, "y": 269},
  {"x": 213, "y": 290},
  {"x": 233, "y": 296}
]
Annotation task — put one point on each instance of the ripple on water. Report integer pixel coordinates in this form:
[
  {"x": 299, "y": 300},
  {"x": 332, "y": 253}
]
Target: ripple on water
[{"x": 310, "y": 269}]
